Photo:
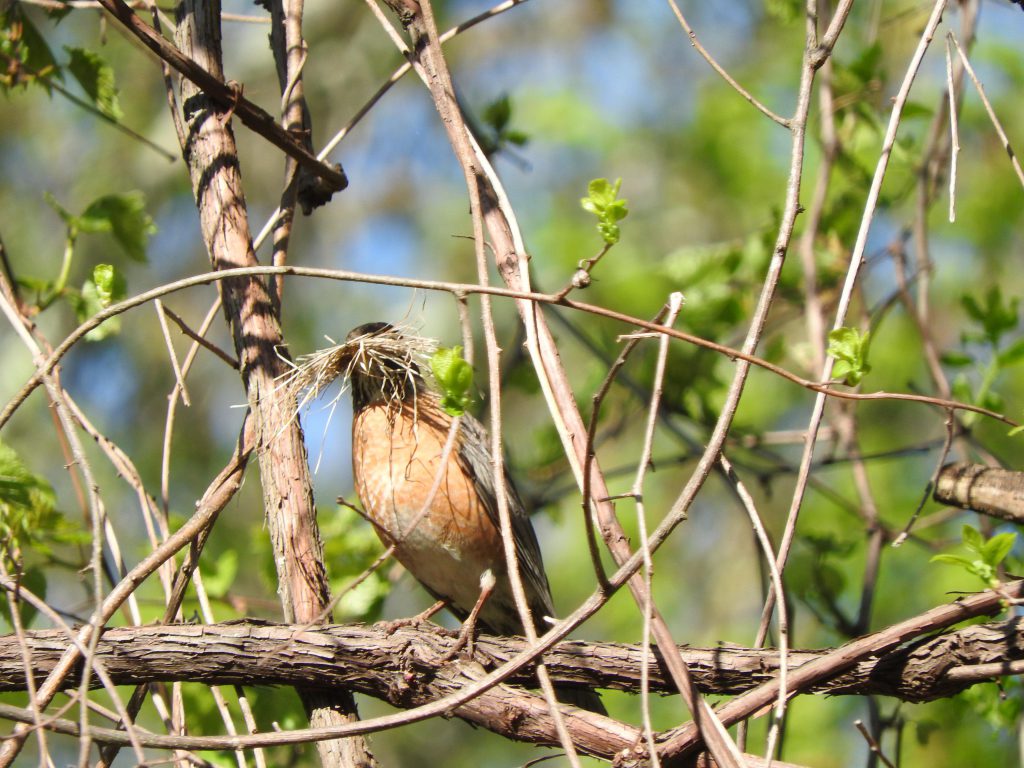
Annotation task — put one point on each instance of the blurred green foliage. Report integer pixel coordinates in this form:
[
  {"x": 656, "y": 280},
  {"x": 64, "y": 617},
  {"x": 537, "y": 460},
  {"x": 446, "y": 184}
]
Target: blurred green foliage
[{"x": 602, "y": 89}]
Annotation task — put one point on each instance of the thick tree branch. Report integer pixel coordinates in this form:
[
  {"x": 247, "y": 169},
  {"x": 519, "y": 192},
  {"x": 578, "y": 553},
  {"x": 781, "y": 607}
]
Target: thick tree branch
[
  {"x": 492, "y": 212},
  {"x": 683, "y": 742},
  {"x": 989, "y": 490},
  {"x": 228, "y": 96},
  {"x": 212, "y": 157},
  {"x": 408, "y": 666}
]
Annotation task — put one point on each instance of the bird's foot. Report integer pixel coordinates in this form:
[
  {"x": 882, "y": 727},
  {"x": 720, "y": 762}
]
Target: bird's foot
[
  {"x": 420, "y": 618},
  {"x": 467, "y": 635},
  {"x": 466, "y": 640}
]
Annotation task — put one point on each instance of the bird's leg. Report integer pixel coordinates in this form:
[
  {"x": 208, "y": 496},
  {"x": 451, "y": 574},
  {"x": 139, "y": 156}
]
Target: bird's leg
[
  {"x": 467, "y": 634},
  {"x": 420, "y": 618}
]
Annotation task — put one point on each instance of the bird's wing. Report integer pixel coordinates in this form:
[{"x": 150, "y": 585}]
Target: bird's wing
[{"x": 475, "y": 457}]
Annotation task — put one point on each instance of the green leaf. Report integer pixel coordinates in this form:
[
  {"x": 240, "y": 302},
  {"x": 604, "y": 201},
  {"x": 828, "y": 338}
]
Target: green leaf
[
  {"x": 602, "y": 192},
  {"x": 991, "y": 400},
  {"x": 602, "y": 202},
  {"x": 66, "y": 216},
  {"x": 22, "y": 42},
  {"x": 122, "y": 215},
  {"x": 17, "y": 484},
  {"x": 125, "y": 217},
  {"x": 973, "y": 539},
  {"x": 219, "y": 574},
  {"x": 455, "y": 378},
  {"x": 997, "y": 548},
  {"x": 34, "y": 580},
  {"x": 365, "y": 599},
  {"x": 989, "y": 553},
  {"x": 999, "y": 705},
  {"x": 27, "y": 503},
  {"x": 995, "y": 316},
  {"x": 850, "y": 349},
  {"x": 497, "y": 117},
  {"x": 963, "y": 562},
  {"x": 961, "y": 389},
  {"x": 957, "y": 359},
  {"x": 498, "y": 113},
  {"x": 97, "y": 79},
  {"x": 107, "y": 286}
]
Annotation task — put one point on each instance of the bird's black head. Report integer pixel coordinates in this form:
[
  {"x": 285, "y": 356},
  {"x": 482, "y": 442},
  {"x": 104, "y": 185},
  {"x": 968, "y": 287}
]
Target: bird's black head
[
  {"x": 382, "y": 367},
  {"x": 368, "y": 330}
]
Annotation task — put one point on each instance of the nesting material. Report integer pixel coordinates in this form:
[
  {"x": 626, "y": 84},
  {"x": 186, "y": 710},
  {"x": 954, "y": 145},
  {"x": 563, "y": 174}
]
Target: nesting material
[{"x": 389, "y": 358}]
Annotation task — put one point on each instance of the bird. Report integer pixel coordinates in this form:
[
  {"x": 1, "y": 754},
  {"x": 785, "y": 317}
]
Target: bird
[{"x": 438, "y": 511}]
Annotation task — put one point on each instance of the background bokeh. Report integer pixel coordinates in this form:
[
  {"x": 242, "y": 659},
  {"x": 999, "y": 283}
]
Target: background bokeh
[{"x": 601, "y": 88}]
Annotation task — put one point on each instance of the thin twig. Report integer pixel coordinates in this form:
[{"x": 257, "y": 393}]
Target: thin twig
[
  {"x": 467, "y": 288},
  {"x": 814, "y": 313},
  {"x": 675, "y": 304},
  {"x": 815, "y": 671},
  {"x": 853, "y": 273},
  {"x": 165, "y": 70},
  {"x": 364, "y": 110},
  {"x": 14, "y": 614},
  {"x": 597, "y": 401},
  {"x": 682, "y": 741},
  {"x": 439, "y": 82},
  {"x": 954, "y": 133},
  {"x": 54, "y": 84},
  {"x": 988, "y": 108},
  {"x": 97, "y": 516},
  {"x": 200, "y": 337},
  {"x": 178, "y": 377},
  {"x": 775, "y": 577},
  {"x": 873, "y": 745},
  {"x": 89, "y": 634},
  {"x": 721, "y": 71},
  {"x": 252, "y": 116},
  {"x": 206, "y": 611}
]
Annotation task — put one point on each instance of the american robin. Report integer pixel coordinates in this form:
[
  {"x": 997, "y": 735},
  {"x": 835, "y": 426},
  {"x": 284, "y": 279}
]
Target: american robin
[{"x": 447, "y": 542}]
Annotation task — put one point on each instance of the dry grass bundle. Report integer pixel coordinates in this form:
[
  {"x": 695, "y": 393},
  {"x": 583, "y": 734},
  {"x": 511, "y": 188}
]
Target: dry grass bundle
[{"x": 379, "y": 357}]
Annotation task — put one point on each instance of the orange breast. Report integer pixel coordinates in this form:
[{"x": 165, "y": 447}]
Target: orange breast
[{"x": 397, "y": 461}]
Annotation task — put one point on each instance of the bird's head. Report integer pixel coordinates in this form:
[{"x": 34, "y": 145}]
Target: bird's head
[{"x": 380, "y": 361}]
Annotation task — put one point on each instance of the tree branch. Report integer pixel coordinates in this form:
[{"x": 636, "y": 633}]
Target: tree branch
[
  {"x": 255, "y": 326},
  {"x": 409, "y": 666},
  {"x": 227, "y": 95},
  {"x": 991, "y": 491}
]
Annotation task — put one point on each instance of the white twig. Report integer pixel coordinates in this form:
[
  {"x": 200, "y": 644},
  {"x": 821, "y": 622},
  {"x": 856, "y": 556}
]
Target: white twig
[
  {"x": 99, "y": 524},
  {"x": 954, "y": 133},
  {"x": 675, "y": 303},
  {"x": 776, "y": 578},
  {"x": 852, "y": 275},
  {"x": 988, "y": 108},
  {"x": 206, "y": 611}
]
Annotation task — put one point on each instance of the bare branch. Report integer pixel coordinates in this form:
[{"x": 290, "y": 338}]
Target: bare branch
[
  {"x": 227, "y": 97},
  {"x": 989, "y": 490},
  {"x": 412, "y": 665}
]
